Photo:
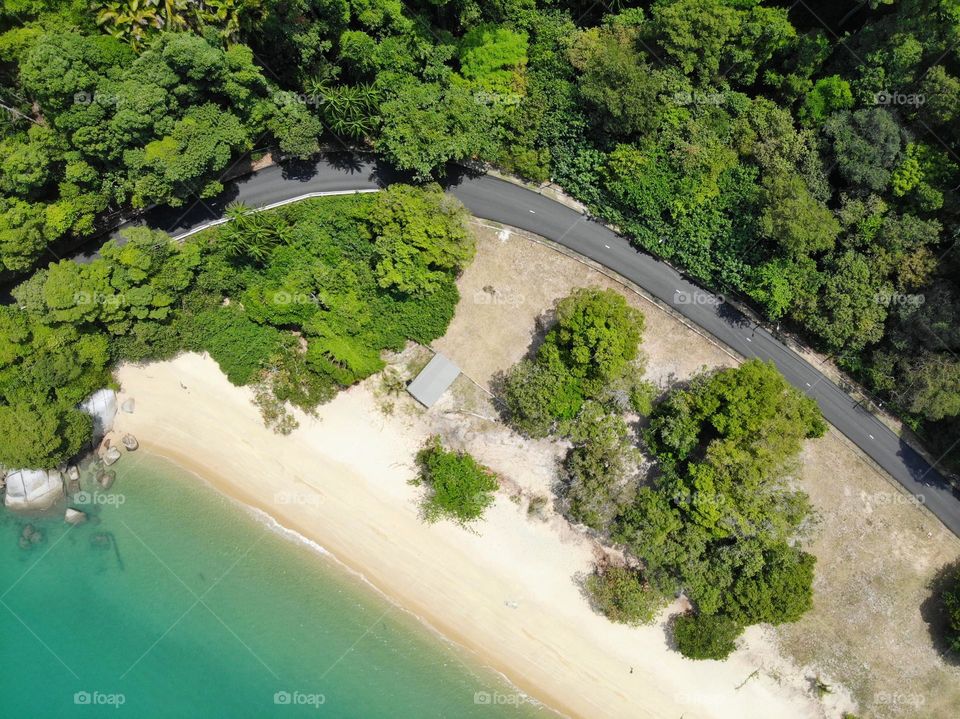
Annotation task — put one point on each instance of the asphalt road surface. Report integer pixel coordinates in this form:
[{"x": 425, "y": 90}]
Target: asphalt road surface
[{"x": 501, "y": 201}]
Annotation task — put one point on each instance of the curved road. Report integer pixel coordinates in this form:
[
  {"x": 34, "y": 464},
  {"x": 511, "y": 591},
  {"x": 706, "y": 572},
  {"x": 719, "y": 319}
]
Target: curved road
[{"x": 504, "y": 202}]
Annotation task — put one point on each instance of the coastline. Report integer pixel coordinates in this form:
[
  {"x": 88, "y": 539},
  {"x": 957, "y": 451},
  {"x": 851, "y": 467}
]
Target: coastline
[
  {"x": 291, "y": 535},
  {"x": 340, "y": 481}
]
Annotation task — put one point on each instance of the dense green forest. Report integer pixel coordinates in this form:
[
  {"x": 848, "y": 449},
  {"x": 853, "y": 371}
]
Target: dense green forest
[
  {"x": 802, "y": 156},
  {"x": 297, "y": 302}
]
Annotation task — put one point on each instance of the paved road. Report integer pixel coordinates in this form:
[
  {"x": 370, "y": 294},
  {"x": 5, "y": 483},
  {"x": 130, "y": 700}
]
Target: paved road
[{"x": 501, "y": 201}]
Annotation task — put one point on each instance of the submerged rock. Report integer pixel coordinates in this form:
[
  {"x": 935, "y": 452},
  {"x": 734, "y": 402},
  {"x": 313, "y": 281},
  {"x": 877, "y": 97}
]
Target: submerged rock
[
  {"x": 106, "y": 478},
  {"x": 111, "y": 455},
  {"x": 73, "y": 479},
  {"x": 74, "y": 516},
  {"x": 130, "y": 442},
  {"x": 30, "y": 536},
  {"x": 100, "y": 540}
]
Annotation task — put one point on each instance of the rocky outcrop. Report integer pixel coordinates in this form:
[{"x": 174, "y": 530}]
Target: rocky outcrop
[
  {"x": 102, "y": 406},
  {"x": 130, "y": 442},
  {"x": 111, "y": 455},
  {"x": 74, "y": 516},
  {"x": 29, "y": 489}
]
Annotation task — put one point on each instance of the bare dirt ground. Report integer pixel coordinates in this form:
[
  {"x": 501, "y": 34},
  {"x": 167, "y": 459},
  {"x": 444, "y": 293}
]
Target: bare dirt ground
[
  {"x": 514, "y": 280},
  {"x": 877, "y": 553},
  {"x": 867, "y": 642}
]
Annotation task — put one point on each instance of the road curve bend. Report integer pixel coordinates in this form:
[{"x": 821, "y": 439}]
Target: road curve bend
[{"x": 501, "y": 201}]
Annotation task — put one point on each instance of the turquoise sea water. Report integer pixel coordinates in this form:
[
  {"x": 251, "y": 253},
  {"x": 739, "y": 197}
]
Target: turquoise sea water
[{"x": 172, "y": 601}]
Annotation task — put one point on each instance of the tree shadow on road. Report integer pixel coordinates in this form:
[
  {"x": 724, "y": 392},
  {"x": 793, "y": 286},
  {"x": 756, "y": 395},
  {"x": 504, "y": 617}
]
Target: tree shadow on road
[{"x": 732, "y": 316}]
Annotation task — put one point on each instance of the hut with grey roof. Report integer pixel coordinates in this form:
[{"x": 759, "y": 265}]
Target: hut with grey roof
[{"x": 434, "y": 380}]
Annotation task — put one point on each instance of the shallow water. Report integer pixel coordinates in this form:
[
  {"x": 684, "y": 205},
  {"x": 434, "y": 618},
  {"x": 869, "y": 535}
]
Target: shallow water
[{"x": 173, "y": 601}]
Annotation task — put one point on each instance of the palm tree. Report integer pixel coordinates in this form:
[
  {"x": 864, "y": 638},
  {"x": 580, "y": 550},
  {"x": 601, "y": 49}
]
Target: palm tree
[
  {"x": 253, "y": 234},
  {"x": 228, "y": 16},
  {"x": 349, "y": 109},
  {"x": 174, "y": 15},
  {"x": 131, "y": 21}
]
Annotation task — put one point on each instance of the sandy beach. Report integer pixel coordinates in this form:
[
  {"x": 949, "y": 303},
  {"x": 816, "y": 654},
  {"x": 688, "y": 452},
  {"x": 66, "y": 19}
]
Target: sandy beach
[{"x": 505, "y": 591}]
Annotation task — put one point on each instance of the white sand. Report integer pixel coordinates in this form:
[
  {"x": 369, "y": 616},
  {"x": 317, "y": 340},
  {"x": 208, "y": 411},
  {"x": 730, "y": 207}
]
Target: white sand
[{"x": 341, "y": 480}]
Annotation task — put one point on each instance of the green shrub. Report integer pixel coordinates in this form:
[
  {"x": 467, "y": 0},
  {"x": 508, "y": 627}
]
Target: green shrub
[
  {"x": 240, "y": 346},
  {"x": 623, "y": 595},
  {"x": 537, "y": 396},
  {"x": 642, "y": 395},
  {"x": 345, "y": 359},
  {"x": 951, "y": 604},
  {"x": 706, "y": 636},
  {"x": 459, "y": 488}
]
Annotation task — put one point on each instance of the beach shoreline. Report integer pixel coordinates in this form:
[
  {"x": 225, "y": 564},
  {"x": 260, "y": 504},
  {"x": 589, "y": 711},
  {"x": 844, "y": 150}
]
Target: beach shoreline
[
  {"x": 272, "y": 524},
  {"x": 506, "y": 591}
]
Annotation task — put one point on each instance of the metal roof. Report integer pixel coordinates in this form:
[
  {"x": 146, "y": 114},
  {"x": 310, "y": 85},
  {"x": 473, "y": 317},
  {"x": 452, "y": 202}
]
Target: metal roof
[{"x": 434, "y": 380}]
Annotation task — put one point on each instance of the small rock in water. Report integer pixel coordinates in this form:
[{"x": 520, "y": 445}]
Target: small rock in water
[
  {"x": 128, "y": 406},
  {"x": 106, "y": 478},
  {"x": 101, "y": 540},
  {"x": 111, "y": 455},
  {"x": 130, "y": 442},
  {"x": 74, "y": 516},
  {"x": 73, "y": 473}
]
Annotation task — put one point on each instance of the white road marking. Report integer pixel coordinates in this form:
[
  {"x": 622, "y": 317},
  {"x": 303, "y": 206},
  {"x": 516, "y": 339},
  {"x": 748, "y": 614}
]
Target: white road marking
[
  {"x": 607, "y": 246},
  {"x": 807, "y": 383},
  {"x": 870, "y": 436},
  {"x": 532, "y": 212},
  {"x": 749, "y": 340}
]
